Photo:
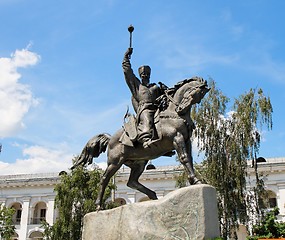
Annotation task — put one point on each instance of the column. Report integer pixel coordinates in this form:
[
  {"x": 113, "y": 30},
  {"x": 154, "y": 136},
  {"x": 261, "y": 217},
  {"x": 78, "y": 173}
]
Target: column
[
  {"x": 24, "y": 219},
  {"x": 281, "y": 200},
  {"x": 50, "y": 211}
]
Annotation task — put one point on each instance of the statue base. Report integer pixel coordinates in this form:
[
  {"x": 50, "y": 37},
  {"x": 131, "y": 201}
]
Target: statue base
[{"x": 187, "y": 213}]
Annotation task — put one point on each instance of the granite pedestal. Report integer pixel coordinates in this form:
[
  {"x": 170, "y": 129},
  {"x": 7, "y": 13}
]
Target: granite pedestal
[{"x": 187, "y": 213}]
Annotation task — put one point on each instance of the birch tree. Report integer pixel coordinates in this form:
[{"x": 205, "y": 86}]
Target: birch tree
[{"x": 228, "y": 138}]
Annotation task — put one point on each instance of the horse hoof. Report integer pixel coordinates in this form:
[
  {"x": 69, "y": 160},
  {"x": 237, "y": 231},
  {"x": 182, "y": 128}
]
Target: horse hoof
[
  {"x": 194, "y": 181},
  {"x": 99, "y": 208}
]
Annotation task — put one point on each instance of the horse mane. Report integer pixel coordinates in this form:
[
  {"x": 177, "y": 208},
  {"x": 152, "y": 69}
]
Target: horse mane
[
  {"x": 163, "y": 101},
  {"x": 199, "y": 82}
]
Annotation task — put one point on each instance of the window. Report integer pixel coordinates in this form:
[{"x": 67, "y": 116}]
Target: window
[
  {"x": 39, "y": 214},
  {"x": 272, "y": 202},
  {"x": 36, "y": 236},
  {"x": 120, "y": 201},
  {"x": 43, "y": 214},
  {"x": 18, "y": 215}
]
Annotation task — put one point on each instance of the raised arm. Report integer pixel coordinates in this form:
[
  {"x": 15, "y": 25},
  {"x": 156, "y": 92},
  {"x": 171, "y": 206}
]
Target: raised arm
[{"x": 132, "y": 81}]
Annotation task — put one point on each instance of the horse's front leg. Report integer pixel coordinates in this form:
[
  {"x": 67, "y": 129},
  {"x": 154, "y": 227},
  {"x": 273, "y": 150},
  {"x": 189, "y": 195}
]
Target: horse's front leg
[
  {"x": 109, "y": 172},
  {"x": 185, "y": 157}
]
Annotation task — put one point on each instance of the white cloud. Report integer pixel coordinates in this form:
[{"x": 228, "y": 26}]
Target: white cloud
[
  {"x": 15, "y": 98},
  {"x": 24, "y": 58},
  {"x": 38, "y": 160}
]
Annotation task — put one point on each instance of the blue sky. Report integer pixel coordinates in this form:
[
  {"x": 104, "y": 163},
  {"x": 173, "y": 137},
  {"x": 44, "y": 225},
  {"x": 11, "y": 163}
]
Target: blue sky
[{"x": 61, "y": 80}]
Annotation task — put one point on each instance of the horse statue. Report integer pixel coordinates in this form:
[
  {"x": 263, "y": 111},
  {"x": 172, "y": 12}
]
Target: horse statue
[{"x": 174, "y": 127}]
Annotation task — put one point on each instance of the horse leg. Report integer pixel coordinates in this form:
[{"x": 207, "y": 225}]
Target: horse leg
[
  {"x": 136, "y": 171},
  {"x": 109, "y": 172},
  {"x": 185, "y": 157}
]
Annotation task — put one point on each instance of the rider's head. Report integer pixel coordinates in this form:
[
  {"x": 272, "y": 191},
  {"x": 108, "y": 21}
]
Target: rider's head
[{"x": 144, "y": 72}]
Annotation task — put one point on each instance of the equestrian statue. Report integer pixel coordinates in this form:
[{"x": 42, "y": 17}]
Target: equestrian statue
[{"x": 161, "y": 126}]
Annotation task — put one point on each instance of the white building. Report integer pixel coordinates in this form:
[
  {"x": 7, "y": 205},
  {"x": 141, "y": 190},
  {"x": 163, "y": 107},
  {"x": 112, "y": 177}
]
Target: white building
[
  {"x": 273, "y": 171},
  {"x": 32, "y": 195}
]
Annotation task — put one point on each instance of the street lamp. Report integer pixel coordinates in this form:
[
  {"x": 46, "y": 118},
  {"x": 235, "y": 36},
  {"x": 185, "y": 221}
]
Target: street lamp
[
  {"x": 260, "y": 160},
  {"x": 255, "y": 161},
  {"x": 150, "y": 166}
]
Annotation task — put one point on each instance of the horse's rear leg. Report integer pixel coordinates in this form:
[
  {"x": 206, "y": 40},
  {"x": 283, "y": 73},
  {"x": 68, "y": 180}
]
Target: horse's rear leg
[
  {"x": 185, "y": 157},
  {"x": 109, "y": 172},
  {"x": 136, "y": 171}
]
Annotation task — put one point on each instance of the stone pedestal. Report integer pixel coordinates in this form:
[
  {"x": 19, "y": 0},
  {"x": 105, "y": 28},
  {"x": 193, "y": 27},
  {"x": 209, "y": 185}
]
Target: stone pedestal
[{"x": 186, "y": 213}]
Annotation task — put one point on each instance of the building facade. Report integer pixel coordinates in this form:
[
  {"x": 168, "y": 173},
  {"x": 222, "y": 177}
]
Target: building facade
[
  {"x": 272, "y": 172},
  {"x": 32, "y": 195}
]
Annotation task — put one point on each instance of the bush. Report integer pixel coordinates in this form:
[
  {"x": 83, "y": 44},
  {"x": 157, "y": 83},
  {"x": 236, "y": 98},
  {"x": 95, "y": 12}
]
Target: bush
[{"x": 269, "y": 227}]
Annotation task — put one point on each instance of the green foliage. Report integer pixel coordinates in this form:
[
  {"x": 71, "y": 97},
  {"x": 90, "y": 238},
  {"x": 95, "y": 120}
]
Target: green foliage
[
  {"x": 181, "y": 179},
  {"x": 228, "y": 139},
  {"x": 7, "y": 228},
  {"x": 76, "y": 196},
  {"x": 269, "y": 227}
]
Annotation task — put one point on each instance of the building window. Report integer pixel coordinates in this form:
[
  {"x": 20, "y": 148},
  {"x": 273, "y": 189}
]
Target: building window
[
  {"x": 120, "y": 201},
  {"x": 18, "y": 213},
  {"x": 39, "y": 214},
  {"x": 36, "y": 236},
  {"x": 272, "y": 201},
  {"x": 43, "y": 214}
]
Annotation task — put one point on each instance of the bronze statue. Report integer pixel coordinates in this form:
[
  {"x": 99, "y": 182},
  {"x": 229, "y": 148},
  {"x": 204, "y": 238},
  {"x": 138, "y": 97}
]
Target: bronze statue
[
  {"x": 171, "y": 125},
  {"x": 145, "y": 99},
  {"x": 144, "y": 96}
]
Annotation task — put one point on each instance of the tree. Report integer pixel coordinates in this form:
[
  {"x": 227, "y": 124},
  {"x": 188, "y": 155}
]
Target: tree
[
  {"x": 7, "y": 228},
  {"x": 228, "y": 139},
  {"x": 269, "y": 227},
  {"x": 76, "y": 196}
]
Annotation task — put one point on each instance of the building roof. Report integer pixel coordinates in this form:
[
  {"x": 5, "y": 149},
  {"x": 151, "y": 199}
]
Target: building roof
[
  {"x": 19, "y": 180},
  {"x": 161, "y": 172}
]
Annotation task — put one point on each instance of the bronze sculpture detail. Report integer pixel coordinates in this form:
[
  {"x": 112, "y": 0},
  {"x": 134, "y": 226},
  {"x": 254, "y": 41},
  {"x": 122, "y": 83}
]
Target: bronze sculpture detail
[
  {"x": 144, "y": 96},
  {"x": 163, "y": 124}
]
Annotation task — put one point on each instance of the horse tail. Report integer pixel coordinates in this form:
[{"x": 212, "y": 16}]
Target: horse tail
[{"x": 93, "y": 148}]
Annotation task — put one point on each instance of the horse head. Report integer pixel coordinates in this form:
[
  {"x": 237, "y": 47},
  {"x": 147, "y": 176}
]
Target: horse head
[{"x": 189, "y": 92}]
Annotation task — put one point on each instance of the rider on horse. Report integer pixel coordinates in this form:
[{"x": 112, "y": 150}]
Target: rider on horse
[
  {"x": 175, "y": 128},
  {"x": 144, "y": 96}
]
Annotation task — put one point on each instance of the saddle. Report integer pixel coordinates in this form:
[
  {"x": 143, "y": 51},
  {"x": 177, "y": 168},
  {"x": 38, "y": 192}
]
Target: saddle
[{"x": 130, "y": 133}]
